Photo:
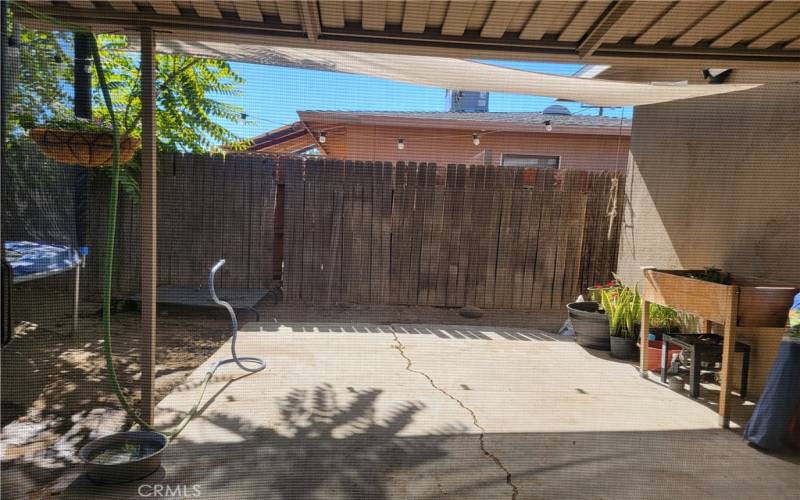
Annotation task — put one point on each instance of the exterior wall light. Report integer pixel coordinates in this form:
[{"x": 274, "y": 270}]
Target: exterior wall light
[
  {"x": 323, "y": 137},
  {"x": 401, "y": 144},
  {"x": 476, "y": 139},
  {"x": 548, "y": 126}
]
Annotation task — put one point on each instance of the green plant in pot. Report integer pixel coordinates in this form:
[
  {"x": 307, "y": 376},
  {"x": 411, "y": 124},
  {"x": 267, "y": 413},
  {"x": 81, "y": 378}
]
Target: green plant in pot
[
  {"x": 623, "y": 307},
  {"x": 662, "y": 320}
]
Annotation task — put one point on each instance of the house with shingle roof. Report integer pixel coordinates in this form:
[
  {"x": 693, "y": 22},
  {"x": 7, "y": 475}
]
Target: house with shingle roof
[{"x": 553, "y": 138}]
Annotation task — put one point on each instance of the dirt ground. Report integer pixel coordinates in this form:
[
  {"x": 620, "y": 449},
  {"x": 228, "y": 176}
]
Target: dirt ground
[{"x": 55, "y": 394}]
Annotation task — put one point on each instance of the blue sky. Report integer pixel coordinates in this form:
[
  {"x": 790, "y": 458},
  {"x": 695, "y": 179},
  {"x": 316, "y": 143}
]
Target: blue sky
[{"x": 272, "y": 94}]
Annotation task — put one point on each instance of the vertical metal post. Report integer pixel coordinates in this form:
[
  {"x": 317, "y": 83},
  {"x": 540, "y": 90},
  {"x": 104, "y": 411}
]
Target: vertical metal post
[
  {"x": 77, "y": 299},
  {"x": 148, "y": 216},
  {"x": 644, "y": 339},
  {"x": 5, "y": 278},
  {"x": 4, "y": 76},
  {"x": 728, "y": 350},
  {"x": 82, "y": 76}
]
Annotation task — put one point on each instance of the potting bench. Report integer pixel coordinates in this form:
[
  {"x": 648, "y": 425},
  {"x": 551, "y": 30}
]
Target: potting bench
[
  {"x": 754, "y": 309},
  {"x": 700, "y": 347}
]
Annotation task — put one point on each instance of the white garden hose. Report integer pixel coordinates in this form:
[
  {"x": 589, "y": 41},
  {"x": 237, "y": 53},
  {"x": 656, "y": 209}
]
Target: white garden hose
[{"x": 257, "y": 364}]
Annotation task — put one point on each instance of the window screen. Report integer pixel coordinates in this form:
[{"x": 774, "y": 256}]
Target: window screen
[{"x": 530, "y": 161}]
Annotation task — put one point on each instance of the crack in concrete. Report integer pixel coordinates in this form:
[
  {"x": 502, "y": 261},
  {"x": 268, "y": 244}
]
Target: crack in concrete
[{"x": 409, "y": 367}]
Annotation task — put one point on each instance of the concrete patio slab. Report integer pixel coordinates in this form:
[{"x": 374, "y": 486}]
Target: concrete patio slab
[{"x": 445, "y": 411}]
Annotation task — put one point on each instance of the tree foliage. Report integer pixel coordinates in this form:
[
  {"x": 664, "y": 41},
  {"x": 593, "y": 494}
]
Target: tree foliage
[
  {"x": 36, "y": 71},
  {"x": 189, "y": 110},
  {"x": 187, "y": 87}
]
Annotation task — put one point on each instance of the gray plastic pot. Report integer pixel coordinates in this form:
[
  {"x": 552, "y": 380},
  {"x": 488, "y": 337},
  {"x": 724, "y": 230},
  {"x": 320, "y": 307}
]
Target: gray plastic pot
[
  {"x": 622, "y": 348},
  {"x": 590, "y": 325}
]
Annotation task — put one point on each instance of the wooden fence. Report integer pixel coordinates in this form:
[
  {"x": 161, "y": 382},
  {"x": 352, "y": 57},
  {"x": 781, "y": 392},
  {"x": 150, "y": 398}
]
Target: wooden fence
[
  {"x": 209, "y": 208},
  {"x": 497, "y": 238}
]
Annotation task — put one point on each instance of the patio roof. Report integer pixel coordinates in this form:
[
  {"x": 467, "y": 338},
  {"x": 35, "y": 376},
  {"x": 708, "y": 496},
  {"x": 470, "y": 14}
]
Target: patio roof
[{"x": 656, "y": 33}]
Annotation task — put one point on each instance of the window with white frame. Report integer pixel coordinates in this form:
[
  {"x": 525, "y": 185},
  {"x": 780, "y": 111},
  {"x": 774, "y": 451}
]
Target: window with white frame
[{"x": 530, "y": 161}]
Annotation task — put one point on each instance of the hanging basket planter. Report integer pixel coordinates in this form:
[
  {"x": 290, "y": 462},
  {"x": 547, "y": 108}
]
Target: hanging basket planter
[{"x": 81, "y": 147}]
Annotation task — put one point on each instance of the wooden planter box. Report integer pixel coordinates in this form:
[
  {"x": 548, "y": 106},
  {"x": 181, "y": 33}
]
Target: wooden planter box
[
  {"x": 751, "y": 310},
  {"x": 759, "y": 304}
]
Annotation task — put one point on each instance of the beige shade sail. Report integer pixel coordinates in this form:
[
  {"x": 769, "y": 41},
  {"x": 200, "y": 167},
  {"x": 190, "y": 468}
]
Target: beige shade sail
[{"x": 443, "y": 72}]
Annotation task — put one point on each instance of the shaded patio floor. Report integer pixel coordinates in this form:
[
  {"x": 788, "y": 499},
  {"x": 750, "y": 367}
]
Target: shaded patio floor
[{"x": 432, "y": 411}]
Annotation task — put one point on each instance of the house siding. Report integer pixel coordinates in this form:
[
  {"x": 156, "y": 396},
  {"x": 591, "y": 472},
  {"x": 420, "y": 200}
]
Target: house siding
[
  {"x": 713, "y": 181},
  {"x": 445, "y": 146}
]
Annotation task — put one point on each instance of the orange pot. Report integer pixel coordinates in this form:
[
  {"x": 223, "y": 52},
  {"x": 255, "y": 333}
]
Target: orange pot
[{"x": 654, "y": 354}]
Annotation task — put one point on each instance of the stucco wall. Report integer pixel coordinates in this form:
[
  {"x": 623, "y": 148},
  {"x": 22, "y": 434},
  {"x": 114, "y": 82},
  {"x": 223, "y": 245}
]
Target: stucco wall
[
  {"x": 715, "y": 181},
  {"x": 444, "y": 146}
]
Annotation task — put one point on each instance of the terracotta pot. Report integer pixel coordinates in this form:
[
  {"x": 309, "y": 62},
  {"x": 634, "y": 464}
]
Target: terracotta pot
[
  {"x": 654, "y": 354},
  {"x": 84, "y": 148}
]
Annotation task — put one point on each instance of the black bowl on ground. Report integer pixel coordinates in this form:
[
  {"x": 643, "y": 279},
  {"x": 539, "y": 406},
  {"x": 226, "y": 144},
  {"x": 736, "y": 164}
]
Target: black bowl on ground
[
  {"x": 123, "y": 456},
  {"x": 590, "y": 325}
]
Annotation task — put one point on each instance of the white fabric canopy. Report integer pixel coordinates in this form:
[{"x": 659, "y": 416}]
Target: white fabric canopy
[{"x": 442, "y": 72}]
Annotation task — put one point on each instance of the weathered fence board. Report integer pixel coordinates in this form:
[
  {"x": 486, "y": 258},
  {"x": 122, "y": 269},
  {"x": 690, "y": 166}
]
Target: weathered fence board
[
  {"x": 372, "y": 232},
  {"x": 209, "y": 208},
  {"x": 412, "y": 234}
]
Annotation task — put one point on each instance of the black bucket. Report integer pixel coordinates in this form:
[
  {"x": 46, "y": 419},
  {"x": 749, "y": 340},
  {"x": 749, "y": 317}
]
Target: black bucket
[{"x": 590, "y": 325}]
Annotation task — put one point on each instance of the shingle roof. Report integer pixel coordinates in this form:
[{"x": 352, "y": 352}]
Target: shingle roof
[{"x": 509, "y": 118}]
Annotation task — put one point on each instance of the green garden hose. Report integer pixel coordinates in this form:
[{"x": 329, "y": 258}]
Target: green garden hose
[
  {"x": 108, "y": 262},
  {"x": 108, "y": 266}
]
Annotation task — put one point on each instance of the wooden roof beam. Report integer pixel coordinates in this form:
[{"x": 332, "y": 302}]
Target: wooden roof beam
[
  {"x": 309, "y": 18},
  {"x": 757, "y": 24},
  {"x": 415, "y": 16},
  {"x": 680, "y": 16},
  {"x": 717, "y": 21},
  {"x": 248, "y": 10},
  {"x": 594, "y": 38},
  {"x": 544, "y": 15},
  {"x": 373, "y": 15},
  {"x": 124, "y": 6},
  {"x": 498, "y": 19},
  {"x": 289, "y": 11},
  {"x": 583, "y": 19},
  {"x": 331, "y": 13},
  {"x": 787, "y": 31},
  {"x": 206, "y": 8},
  {"x": 455, "y": 20},
  {"x": 81, "y": 4},
  {"x": 164, "y": 7}
]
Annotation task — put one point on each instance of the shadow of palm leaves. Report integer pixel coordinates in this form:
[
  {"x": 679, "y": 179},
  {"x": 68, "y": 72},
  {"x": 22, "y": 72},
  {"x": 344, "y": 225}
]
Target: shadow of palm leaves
[{"x": 321, "y": 445}]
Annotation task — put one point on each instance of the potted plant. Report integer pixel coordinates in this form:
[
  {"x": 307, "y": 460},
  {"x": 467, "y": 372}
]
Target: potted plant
[
  {"x": 589, "y": 320},
  {"x": 623, "y": 307},
  {"x": 662, "y": 320},
  {"x": 590, "y": 324},
  {"x": 81, "y": 142}
]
